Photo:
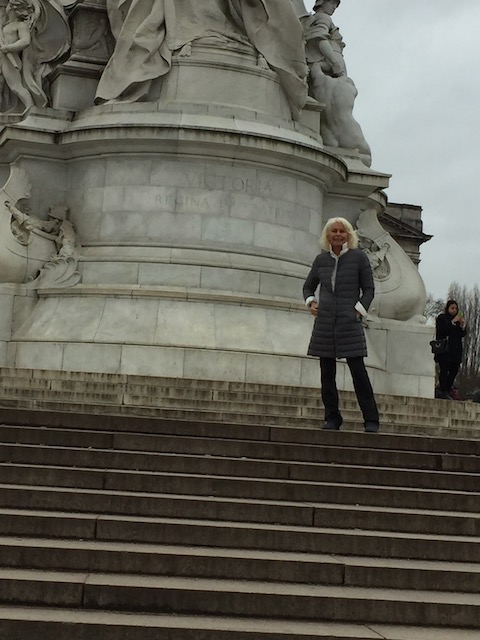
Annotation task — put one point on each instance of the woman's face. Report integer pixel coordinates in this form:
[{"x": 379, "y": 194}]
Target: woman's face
[
  {"x": 453, "y": 309},
  {"x": 337, "y": 235}
]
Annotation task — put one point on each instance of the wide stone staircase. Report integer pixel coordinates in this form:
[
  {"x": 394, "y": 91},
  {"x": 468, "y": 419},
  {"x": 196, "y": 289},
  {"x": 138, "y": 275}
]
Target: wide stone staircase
[{"x": 167, "y": 509}]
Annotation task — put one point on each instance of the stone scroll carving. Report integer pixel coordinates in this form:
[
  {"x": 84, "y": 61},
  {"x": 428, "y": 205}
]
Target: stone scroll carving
[
  {"x": 33, "y": 35},
  {"x": 399, "y": 289},
  {"x": 149, "y": 32},
  {"x": 33, "y": 250},
  {"x": 329, "y": 82}
]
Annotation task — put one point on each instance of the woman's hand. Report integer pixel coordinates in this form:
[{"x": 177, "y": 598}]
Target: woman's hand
[
  {"x": 459, "y": 319},
  {"x": 313, "y": 308}
]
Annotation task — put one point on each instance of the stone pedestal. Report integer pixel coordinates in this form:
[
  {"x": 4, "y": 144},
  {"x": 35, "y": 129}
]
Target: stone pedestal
[{"x": 74, "y": 83}]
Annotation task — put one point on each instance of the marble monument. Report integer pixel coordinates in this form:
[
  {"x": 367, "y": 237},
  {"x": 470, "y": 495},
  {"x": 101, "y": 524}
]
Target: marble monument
[{"x": 167, "y": 166}]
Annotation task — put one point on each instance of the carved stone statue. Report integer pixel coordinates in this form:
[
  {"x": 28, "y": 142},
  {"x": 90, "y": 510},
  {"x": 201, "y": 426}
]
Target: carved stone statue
[
  {"x": 33, "y": 34},
  {"x": 149, "y": 32},
  {"x": 66, "y": 240},
  {"x": 329, "y": 82},
  {"x": 34, "y": 250},
  {"x": 61, "y": 270}
]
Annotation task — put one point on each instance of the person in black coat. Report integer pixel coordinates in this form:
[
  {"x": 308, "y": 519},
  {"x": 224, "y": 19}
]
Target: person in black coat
[
  {"x": 449, "y": 324},
  {"x": 344, "y": 277}
]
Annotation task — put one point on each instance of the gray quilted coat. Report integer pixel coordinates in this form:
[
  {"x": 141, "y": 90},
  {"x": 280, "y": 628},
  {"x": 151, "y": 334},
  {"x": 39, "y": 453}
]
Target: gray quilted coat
[{"x": 336, "y": 332}]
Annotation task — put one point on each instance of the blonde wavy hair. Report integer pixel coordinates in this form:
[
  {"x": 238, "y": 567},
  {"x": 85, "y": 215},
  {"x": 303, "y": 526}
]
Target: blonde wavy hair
[{"x": 352, "y": 238}]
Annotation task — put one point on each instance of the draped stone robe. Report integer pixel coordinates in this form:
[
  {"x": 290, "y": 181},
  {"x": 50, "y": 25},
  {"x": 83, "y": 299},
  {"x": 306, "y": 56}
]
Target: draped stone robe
[{"x": 147, "y": 32}]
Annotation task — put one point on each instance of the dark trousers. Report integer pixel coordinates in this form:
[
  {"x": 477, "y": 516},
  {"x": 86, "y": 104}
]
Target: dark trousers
[
  {"x": 448, "y": 373},
  {"x": 361, "y": 384}
]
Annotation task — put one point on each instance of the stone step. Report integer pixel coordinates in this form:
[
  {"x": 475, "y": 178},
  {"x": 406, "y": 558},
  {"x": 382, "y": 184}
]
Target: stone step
[
  {"x": 340, "y": 472},
  {"x": 170, "y": 396},
  {"x": 147, "y": 451},
  {"x": 318, "y": 514},
  {"x": 106, "y": 382},
  {"x": 265, "y": 410},
  {"x": 116, "y": 425},
  {"x": 121, "y": 592},
  {"x": 215, "y": 389},
  {"x": 239, "y": 521},
  {"x": 288, "y": 538},
  {"x": 220, "y": 410},
  {"x": 18, "y": 623},
  {"x": 203, "y": 455},
  {"x": 26, "y": 522},
  {"x": 454, "y": 413},
  {"x": 396, "y": 426},
  {"x": 270, "y": 489},
  {"x": 13, "y": 387},
  {"x": 238, "y": 564},
  {"x": 147, "y": 393}
]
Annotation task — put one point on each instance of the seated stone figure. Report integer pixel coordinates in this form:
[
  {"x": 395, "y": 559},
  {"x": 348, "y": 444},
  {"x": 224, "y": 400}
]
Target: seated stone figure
[
  {"x": 149, "y": 32},
  {"x": 329, "y": 82}
]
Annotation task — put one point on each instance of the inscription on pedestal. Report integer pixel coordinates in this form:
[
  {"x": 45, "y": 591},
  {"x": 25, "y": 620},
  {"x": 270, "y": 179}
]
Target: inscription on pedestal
[
  {"x": 237, "y": 184},
  {"x": 176, "y": 202}
]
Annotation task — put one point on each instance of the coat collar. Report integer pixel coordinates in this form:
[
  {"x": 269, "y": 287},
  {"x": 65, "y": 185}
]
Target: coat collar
[{"x": 342, "y": 252}]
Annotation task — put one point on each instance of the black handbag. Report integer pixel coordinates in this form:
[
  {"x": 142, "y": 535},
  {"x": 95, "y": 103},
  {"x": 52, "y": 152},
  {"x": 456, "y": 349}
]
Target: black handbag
[{"x": 439, "y": 347}]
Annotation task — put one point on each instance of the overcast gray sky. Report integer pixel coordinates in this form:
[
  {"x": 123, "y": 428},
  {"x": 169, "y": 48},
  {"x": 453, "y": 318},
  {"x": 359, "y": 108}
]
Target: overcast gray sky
[{"x": 416, "y": 65}]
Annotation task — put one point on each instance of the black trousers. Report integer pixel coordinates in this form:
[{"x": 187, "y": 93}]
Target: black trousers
[
  {"x": 361, "y": 384},
  {"x": 448, "y": 373}
]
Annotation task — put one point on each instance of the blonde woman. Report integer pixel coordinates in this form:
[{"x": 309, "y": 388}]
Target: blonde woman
[{"x": 344, "y": 277}]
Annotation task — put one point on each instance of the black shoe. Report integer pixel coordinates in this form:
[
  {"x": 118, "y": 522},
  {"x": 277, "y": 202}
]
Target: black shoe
[
  {"x": 371, "y": 427},
  {"x": 332, "y": 425},
  {"x": 443, "y": 395}
]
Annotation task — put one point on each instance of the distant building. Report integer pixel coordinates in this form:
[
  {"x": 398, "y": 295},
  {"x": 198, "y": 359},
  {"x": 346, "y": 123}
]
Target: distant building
[{"x": 404, "y": 223}]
